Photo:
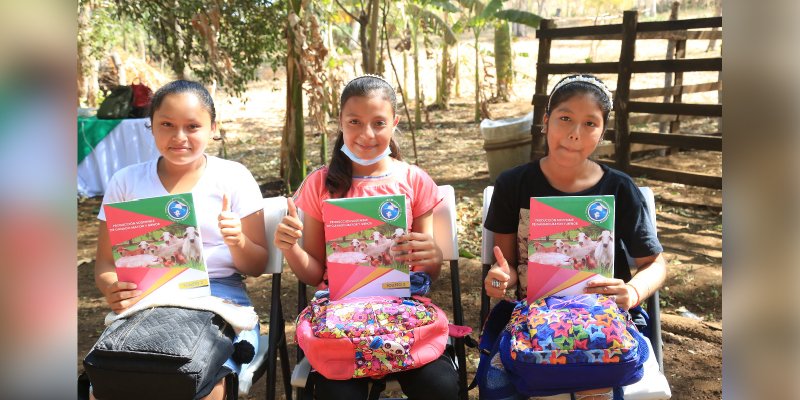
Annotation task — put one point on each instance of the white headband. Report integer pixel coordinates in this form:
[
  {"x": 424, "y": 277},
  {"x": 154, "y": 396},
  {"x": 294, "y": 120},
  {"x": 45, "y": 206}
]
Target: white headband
[
  {"x": 586, "y": 79},
  {"x": 371, "y": 76},
  {"x": 365, "y": 76}
]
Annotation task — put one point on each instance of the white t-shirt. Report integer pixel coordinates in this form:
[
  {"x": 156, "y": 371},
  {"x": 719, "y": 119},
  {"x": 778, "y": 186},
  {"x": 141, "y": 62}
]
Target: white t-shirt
[{"x": 220, "y": 177}]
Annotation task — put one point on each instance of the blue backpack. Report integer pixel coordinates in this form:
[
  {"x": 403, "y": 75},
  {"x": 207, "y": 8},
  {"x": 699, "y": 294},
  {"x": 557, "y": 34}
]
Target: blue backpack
[{"x": 558, "y": 345}]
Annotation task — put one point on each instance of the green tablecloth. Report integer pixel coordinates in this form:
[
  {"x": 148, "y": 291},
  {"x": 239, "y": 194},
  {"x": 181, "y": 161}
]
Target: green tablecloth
[{"x": 91, "y": 131}]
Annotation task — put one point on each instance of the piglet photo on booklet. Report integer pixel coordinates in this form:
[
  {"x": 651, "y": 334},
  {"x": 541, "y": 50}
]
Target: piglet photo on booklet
[
  {"x": 571, "y": 240},
  {"x": 359, "y": 235},
  {"x": 157, "y": 245}
]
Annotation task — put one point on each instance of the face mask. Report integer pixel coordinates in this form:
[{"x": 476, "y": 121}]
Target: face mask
[{"x": 360, "y": 161}]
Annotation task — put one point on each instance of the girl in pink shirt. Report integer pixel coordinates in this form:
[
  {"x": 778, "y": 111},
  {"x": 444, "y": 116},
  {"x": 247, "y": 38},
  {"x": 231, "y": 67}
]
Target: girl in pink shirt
[{"x": 366, "y": 162}]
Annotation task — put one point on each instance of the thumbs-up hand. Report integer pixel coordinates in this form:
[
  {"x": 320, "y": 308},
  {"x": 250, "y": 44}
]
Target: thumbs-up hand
[
  {"x": 230, "y": 225},
  {"x": 497, "y": 278},
  {"x": 290, "y": 230}
]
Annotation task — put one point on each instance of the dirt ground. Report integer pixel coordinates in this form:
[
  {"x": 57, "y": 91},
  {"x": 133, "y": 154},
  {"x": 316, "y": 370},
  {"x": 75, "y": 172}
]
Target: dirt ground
[{"x": 450, "y": 149}]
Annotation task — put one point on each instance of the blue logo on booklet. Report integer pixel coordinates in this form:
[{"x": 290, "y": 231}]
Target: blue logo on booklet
[
  {"x": 597, "y": 211},
  {"x": 389, "y": 210},
  {"x": 177, "y": 209}
]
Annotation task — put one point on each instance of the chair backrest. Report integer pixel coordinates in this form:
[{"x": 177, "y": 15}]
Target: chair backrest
[
  {"x": 445, "y": 232},
  {"x": 274, "y": 210},
  {"x": 487, "y": 236}
]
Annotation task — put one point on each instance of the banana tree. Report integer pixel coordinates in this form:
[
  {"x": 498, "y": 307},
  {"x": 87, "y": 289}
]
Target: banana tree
[
  {"x": 490, "y": 14},
  {"x": 293, "y": 165},
  {"x": 368, "y": 16},
  {"x": 502, "y": 45},
  {"x": 423, "y": 12}
]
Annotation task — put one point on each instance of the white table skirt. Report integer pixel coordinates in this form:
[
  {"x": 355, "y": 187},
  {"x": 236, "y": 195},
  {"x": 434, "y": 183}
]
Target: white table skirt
[{"x": 130, "y": 142}]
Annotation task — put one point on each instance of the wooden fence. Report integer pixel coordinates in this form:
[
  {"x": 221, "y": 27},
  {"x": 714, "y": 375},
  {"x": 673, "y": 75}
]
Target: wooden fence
[{"x": 626, "y": 141}]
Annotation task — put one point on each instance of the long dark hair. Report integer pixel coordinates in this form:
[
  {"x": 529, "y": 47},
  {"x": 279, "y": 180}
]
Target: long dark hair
[{"x": 340, "y": 170}]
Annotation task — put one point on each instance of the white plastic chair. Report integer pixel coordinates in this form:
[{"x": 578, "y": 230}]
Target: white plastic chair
[
  {"x": 445, "y": 234},
  {"x": 269, "y": 345},
  {"x": 653, "y": 385}
]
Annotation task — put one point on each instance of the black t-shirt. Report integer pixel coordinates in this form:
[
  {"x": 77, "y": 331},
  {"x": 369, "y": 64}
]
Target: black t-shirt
[{"x": 509, "y": 212}]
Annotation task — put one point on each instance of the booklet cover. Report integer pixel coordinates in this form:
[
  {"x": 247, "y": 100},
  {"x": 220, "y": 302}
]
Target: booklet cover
[
  {"x": 571, "y": 240},
  {"x": 156, "y": 245},
  {"x": 359, "y": 233}
]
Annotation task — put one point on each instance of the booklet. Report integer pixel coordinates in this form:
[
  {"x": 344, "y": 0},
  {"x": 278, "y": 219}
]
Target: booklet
[
  {"x": 571, "y": 240},
  {"x": 157, "y": 245},
  {"x": 359, "y": 235}
]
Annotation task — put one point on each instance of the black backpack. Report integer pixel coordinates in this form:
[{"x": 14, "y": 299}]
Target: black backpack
[
  {"x": 161, "y": 353},
  {"x": 118, "y": 104}
]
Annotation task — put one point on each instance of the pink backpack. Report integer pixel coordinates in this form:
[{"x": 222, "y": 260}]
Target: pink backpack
[{"x": 371, "y": 336}]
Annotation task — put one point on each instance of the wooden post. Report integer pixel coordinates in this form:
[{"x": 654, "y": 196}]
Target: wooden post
[
  {"x": 673, "y": 15},
  {"x": 680, "y": 53},
  {"x": 627, "y": 53},
  {"x": 538, "y": 148}
]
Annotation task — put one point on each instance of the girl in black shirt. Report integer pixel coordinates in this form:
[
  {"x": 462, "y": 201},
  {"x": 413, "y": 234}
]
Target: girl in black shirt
[{"x": 574, "y": 123}]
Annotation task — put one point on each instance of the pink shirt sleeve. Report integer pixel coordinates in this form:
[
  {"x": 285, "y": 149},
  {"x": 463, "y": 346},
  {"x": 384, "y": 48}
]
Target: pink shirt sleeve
[
  {"x": 426, "y": 193},
  {"x": 312, "y": 193}
]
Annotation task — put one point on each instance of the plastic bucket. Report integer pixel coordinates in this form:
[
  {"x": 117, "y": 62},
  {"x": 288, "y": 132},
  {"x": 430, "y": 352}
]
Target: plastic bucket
[{"x": 507, "y": 143}]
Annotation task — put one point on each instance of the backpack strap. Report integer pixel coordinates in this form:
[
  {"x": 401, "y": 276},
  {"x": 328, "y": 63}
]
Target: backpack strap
[
  {"x": 495, "y": 324},
  {"x": 83, "y": 386},
  {"x": 231, "y": 386}
]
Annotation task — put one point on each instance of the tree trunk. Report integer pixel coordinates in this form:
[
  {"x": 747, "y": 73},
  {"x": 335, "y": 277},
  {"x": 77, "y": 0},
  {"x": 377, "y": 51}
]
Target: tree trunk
[
  {"x": 122, "y": 78},
  {"x": 502, "y": 59},
  {"x": 140, "y": 47},
  {"x": 178, "y": 65},
  {"x": 418, "y": 101},
  {"x": 293, "y": 166},
  {"x": 443, "y": 81},
  {"x": 374, "y": 11},
  {"x": 444, "y": 86},
  {"x": 477, "y": 80},
  {"x": 363, "y": 20},
  {"x": 84, "y": 52},
  {"x": 457, "y": 62},
  {"x": 405, "y": 72},
  {"x": 94, "y": 83}
]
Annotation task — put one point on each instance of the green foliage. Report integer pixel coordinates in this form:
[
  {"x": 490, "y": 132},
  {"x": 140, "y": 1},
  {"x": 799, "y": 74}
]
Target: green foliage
[
  {"x": 444, "y": 6},
  {"x": 519, "y": 17},
  {"x": 224, "y": 41},
  {"x": 486, "y": 13},
  {"x": 462, "y": 252},
  {"x": 105, "y": 31},
  {"x": 434, "y": 23}
]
